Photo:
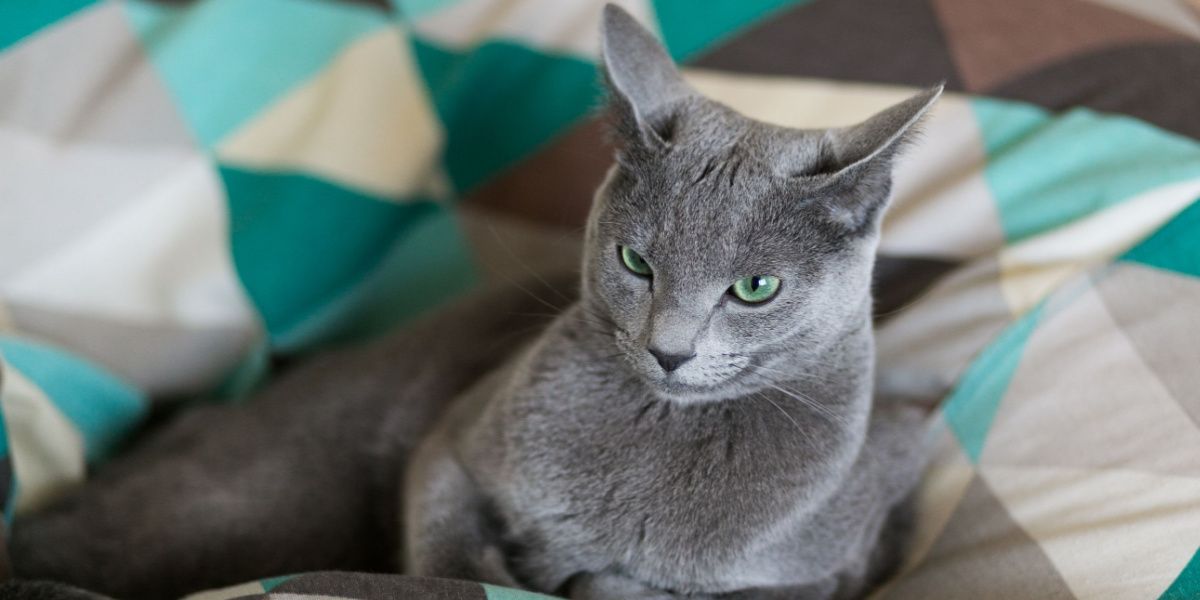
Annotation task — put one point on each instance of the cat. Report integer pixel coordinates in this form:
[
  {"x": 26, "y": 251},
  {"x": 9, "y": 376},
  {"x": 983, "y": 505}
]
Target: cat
[{"x": 699, "y": 423}]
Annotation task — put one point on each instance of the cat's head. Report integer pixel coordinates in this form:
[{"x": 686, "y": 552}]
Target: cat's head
[{"x": 720, "y": 248}]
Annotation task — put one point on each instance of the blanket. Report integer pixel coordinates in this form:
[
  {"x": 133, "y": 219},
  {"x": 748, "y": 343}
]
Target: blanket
[{"x": 194, "y": 193}]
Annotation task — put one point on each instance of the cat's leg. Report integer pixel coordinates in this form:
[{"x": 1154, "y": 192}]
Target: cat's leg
[
  {"x": 827, "y": 589},
  {"x": 604, "y": 586},
  {"x": 446, "y": 523}
]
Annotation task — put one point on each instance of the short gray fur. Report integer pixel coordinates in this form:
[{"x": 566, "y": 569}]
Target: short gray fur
[
  {"x": 574, "y": 464},
  {"x": 760, "y": 467}
]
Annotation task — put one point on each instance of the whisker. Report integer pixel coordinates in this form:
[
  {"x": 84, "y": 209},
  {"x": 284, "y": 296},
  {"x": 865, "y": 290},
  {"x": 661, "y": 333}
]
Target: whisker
[
  {"x": 785, "y": 414},
  {"x": 790, "y": 375},
  {"x": 809, "y": 402},
  {"x": 806, "y": 361},
  {"x": 541, "y": 300},
  {"x": 524, "y": 265}
]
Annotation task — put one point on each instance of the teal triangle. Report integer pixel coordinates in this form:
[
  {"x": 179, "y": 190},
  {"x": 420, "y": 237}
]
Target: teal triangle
[
  {"x": 687, "y": 30},
  {"x": 103, "y": 408},
  {"x": 494, "y": 592},
  {"x": 1047, "y": 170},
  {"x": 226, "y": 60},
  {"x": 420, "y": 270},
  {"x": 1187, "y": 585},
  {"x": 315, "y": 257},
  {"x": 8, "y": 486},
  {"x": 1175, "y": 246},
  {"x": 972, "y": 405},
  {"x": 500, "y": 101},
  {"x": 147, "y": 17},
  {"x": 10, "y": 500},
  {"x": 21, "y": 18},
  {"x": 415, "y": 9},
  {"x": 271, "y": 583}
]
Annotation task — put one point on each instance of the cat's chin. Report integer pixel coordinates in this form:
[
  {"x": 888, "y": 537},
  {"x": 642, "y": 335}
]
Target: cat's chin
[{"x": 685, "y": 394}]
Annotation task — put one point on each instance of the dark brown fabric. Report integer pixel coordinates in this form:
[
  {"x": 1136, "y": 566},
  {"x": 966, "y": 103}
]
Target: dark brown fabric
[
  {"x": 900, "y": 280},
  {"x": 556, "y": 184},
  {"x": 1158, "y": 83},
  {"x": 897, "y": 41},
  {"x": 994, "y": 41},
  {"x": 369, "y": 586}
]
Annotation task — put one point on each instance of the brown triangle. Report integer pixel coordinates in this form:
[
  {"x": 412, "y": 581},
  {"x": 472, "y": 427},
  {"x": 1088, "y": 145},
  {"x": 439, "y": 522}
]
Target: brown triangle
[
  {"x": 898, "y": 41},
  {"x": 1130, "y": 79},
  {"x": 554, "y": 186},
  {"x": 981, "y": 553},
  {"x": 994, "y": 41}
]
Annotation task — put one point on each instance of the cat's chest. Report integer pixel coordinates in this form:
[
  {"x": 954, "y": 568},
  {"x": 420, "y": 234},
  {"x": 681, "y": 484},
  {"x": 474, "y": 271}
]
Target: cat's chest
[{"x": 631, "y": 480}]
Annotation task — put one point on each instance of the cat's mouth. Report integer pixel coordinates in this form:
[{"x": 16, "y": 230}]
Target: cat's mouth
[
  {"x": 683, "y": 393},
  {"x": 717, "y": 380},
  {"x": 704, "y": 378}
]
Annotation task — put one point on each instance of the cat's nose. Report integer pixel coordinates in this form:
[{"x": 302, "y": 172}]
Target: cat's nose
[{"x": 670, "y": 362}]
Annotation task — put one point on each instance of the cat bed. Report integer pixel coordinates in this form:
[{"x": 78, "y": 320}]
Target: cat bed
[{"x": 192, "y": 193}]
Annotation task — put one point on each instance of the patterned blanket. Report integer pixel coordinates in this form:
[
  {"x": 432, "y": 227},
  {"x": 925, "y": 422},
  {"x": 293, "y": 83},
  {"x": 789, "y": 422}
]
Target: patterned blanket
[{"x": 193, "y": 192}]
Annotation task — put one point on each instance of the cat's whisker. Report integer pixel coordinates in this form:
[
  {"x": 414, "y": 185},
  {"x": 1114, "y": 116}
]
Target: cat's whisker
[
  {"x": 529, "y": 293},
  {"x": 606, "y": 320},
  {"x": 524, "y": 265},
  {"x": 810, "y": 403},
  {"x": 776, "y": 353},
  {"x": 536, "y": 314},
  {"x": 789, "y": 416},
  {"x": 597, "y": 327},
  {"x": 791, "y": 374}
]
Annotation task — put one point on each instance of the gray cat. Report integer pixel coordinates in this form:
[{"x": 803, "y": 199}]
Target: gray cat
[{"x": 700, "y": 423}]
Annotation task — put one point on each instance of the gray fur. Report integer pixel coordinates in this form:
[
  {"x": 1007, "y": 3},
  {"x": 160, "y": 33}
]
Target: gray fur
[{"x": 760, "y": 468}]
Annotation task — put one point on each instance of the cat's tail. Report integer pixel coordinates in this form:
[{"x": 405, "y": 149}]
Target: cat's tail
[{"x": 45, "y": 590}]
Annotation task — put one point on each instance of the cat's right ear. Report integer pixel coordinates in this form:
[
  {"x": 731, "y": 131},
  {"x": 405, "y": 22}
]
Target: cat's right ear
[{"x": 644, "y": 85}]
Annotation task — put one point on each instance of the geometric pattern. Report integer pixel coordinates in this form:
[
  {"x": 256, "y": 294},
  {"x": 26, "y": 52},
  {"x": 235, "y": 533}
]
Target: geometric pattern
[{"x": 190, "y": 190}]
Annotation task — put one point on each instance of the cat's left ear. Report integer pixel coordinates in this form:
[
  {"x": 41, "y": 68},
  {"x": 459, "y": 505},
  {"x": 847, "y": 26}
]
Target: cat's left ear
[
  {"x": 856, "y": 161},
  {"x": 645, "y": 86}
]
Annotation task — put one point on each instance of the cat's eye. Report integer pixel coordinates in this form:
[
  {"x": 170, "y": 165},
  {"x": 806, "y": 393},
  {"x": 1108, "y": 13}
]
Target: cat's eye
[
  {"x": 634, "y": 262},
  {"x": 755, "y": 289}
]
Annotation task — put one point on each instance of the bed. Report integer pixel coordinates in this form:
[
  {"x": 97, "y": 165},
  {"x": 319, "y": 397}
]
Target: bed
[{"x": 195, "y": 194}]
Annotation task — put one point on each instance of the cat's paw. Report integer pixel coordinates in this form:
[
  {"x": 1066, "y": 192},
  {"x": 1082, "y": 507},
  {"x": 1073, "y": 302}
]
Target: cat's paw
[
  {"x": 493, "y": 568},
  {"x": 600, "y": 586}
]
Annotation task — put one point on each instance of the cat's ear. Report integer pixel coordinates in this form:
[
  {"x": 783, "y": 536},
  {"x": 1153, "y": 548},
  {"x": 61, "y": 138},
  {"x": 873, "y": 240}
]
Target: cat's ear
[
  {"x": 856, "y": 161},
  {"x": 644, "y": 85}
]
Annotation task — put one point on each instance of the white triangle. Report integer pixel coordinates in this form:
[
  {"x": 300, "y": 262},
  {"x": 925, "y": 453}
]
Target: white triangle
[
  {"x": 162, "y": 258},
  {"x": 1035, "y": 266},
  {"x": 553, "y": 25},
  {"x": 364, "y": 121},
  {"x": 1082, "y": 397},
  {"x": 47, "y": 451}
]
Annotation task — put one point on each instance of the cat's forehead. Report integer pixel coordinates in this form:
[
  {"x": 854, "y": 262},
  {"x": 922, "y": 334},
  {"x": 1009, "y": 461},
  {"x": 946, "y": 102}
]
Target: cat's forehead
[{"x": 721, "y": 213}]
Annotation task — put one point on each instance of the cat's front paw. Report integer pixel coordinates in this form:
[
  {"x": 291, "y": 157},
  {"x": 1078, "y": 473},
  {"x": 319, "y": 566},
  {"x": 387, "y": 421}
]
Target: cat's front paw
[
  {"x": 601, "y": 586},
  {"x": 493, "y": 568}
]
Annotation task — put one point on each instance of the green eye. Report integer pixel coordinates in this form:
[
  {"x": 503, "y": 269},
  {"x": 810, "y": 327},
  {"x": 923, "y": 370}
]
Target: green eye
[
  {"x": 634, "y": 262},
  {"x": 755, "y": 289}
]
